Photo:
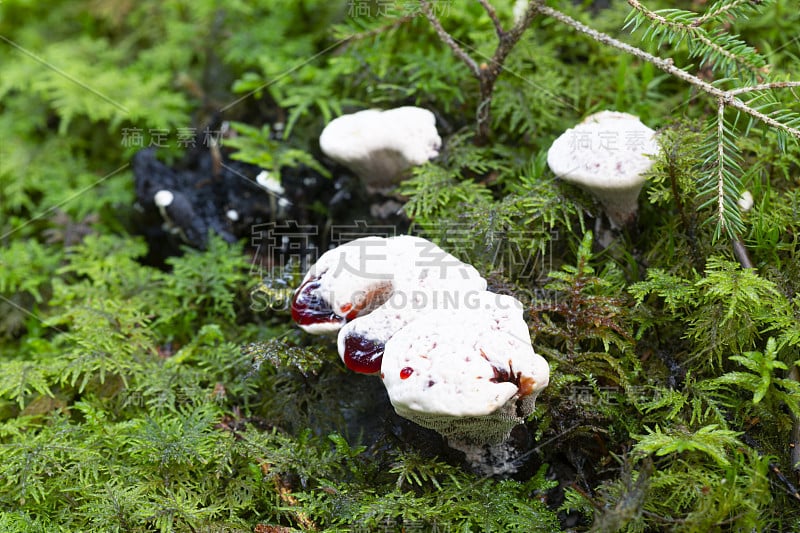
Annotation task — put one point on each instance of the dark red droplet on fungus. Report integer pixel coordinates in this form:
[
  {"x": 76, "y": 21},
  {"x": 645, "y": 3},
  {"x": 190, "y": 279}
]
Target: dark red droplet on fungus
[
  {"x": 406, "y": 372},
  {"x": 362, "y": 355},
  {"x": 309, "y": 309}
]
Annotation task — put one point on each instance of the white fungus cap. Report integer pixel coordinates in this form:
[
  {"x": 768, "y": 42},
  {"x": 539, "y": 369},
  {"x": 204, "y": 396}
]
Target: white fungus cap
[
  {"x": 745, "y": 201},
  {"x": 270, "y": 183},
  {"x": 410, "y": 301},
  {"x": 356, "y": 277},
  {"x": 163, "y": 198},
  {"x": 380, "y": 145},
  {"x": 470, "y": 374},
  {"x": 607, "y": 154}
]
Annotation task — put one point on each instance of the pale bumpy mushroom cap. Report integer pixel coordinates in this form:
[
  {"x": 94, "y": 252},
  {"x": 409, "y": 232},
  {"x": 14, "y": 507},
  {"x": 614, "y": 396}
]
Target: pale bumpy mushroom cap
[
  {"x": 355, "y": 278},
  {"x": 380, "y": 145},
  {"x": 361, "y": 342},
  {"x": 608, "y": 154},
  {"x": 470, "y": 374}
]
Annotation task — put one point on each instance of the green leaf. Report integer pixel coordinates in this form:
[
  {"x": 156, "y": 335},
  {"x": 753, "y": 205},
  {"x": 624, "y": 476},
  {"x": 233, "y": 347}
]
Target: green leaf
[{"x": 710, "y": 440}]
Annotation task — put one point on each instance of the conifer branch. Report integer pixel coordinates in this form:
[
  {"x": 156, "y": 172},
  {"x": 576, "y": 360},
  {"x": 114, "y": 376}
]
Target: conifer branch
[
  {"x": 765, "y": 87},
  {"x": 668, "y": 66},
  {"x": 698, "y": 34},
  {"x": 722, "y": 221},
  {"x": 722, "y": 9}
]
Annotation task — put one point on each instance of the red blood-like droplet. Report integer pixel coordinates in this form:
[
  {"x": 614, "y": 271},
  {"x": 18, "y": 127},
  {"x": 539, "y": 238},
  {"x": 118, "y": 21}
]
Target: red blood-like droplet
[
  {"x": 362, "y": 355},
  {"x": 406, "y": 372},
  {"x": 308, "y": 308}
]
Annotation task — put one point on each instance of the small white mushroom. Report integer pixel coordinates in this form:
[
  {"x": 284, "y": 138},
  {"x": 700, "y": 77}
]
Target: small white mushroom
[
  {"x": 746, "y": 201},
  {"x": 470, "y": 374},
  {"x": 179, "y": 216},
  {"x": 380, "y": 145},
  {"x": 270, "y": 183},
  {"x": 607, "y": 154},
  {"x": 163, "y": 198}
]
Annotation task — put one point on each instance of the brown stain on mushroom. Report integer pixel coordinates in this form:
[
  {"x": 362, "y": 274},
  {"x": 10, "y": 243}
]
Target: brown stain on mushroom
[
  {"x": 376, "y": 296},
  {"x": 525, "y": 384}
]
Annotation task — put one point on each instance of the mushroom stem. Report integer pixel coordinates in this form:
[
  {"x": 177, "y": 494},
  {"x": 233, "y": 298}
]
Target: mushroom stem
[{"x": 609, "y": 155}]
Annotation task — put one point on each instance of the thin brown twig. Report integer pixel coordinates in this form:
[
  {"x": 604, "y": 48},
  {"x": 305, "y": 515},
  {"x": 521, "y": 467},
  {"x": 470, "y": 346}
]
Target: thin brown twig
[
  {"x": 531, "y": 12},
  {"x": 741, "y": 254},
  {"x": 765, "y": 87},
  {"x": 448, "y": 39},
  {"x": 498, "y": 28},
  {"x": 486, "y": 74},
  {"x": 788, "y": 486}
]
